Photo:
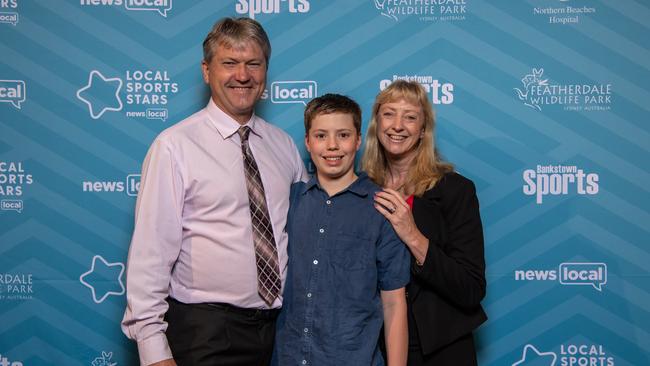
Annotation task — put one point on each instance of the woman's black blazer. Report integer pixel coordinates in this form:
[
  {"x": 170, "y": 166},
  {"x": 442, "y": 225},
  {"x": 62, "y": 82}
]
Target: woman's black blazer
[{"x": 446, "y": 292}]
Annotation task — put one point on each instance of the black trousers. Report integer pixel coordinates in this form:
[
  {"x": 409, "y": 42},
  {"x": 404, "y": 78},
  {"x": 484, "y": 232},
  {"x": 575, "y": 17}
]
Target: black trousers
[{"x": 219, "y": 334}]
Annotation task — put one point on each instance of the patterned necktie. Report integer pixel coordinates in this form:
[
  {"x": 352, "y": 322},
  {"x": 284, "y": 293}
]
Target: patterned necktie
[{"x": 266, "y": 254}]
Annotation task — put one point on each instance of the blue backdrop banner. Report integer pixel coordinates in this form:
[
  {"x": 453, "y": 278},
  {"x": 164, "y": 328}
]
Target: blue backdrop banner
[{"x": 540, "y": 102}]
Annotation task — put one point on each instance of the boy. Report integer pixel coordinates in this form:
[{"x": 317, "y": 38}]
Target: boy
[{"x": 347, "y": 268}]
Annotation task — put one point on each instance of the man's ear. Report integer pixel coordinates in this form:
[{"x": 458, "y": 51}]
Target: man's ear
[
  {"x": 205, "y": 68},
  {"x": 307, "y": 142}
]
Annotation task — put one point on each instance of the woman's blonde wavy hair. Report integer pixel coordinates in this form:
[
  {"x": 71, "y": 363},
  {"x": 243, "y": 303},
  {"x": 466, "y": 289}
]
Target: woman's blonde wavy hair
[{"x": 427, "y": 167}]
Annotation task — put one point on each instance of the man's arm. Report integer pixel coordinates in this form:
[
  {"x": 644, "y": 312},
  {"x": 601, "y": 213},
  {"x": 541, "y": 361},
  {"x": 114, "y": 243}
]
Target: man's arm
[
  {"x": 301, "y": 174},
  {"x": 395, "y": 326},
  {"x": 155, "y": 246}
]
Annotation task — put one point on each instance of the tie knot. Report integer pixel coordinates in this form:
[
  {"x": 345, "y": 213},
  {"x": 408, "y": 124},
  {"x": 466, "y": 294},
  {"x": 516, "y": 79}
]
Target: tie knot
[{"x": 243, "y": 132}]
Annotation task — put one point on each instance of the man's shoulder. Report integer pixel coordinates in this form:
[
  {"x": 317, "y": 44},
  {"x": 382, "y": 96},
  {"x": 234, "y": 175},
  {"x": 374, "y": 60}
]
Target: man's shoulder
[
  {"x": 271, "y": 130},
  {"x": 184, "y": 128}
]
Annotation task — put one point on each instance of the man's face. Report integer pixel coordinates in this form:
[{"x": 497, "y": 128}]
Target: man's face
[
  {"x": 333, "y": 142},
  {"x": 237, "y": 76}
]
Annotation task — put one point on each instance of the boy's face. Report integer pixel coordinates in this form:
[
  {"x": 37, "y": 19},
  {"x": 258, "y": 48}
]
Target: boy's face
[{"x": 333, "y": 142}]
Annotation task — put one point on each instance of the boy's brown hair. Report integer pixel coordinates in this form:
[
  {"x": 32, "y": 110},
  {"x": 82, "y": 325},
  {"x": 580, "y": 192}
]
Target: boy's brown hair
[{"x": 332, "y": 103}]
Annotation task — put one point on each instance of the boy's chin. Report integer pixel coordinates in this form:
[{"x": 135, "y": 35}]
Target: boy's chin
[{"x": 332, "y": 174}]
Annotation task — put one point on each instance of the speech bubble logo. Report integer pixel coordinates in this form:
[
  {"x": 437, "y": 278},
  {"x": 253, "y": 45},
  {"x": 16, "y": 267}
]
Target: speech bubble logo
[
  {"x": 9, "y": 18},
  {"x": 13, "y": 91},
  {"x": 293, "y": 91},
  {"x": 161, "y": 6},
  {"x": 157, "y": 113},
  {"x": 132, "y": 184},
  {"x": 12, "y": 205},
  {"x": 584, "y": 274}
]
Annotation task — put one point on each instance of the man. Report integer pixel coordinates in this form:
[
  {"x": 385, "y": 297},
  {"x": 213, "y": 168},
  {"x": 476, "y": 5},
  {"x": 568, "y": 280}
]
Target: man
[{"x": 208, "y": 256}]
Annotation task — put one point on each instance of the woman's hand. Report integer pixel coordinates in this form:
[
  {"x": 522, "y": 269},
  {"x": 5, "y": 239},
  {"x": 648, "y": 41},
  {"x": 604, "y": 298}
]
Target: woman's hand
[{"x": 392, "y": 205}]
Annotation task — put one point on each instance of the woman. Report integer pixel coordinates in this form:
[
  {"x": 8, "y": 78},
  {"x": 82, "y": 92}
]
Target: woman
[{"x": 435, "y": 212}]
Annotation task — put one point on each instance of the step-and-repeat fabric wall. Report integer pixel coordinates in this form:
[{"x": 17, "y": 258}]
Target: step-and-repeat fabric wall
[{"x": 543, "y": 103}]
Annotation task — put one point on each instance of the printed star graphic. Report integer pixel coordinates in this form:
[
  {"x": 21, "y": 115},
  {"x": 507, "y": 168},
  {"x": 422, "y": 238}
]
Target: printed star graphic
[
  {"x": 540, "y": 358},
  {"x": 100, "y": 279},
  {"x": 97, "y": 84}
]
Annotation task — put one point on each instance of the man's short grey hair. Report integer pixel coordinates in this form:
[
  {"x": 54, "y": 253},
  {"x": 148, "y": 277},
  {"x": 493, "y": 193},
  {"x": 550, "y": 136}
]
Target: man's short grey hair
[{"x": 233, "y": 32}]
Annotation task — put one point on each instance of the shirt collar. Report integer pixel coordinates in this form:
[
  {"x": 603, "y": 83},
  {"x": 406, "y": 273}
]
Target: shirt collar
[
  {"x": 225, "y": 124},
  {"x": 358, "y": 187}
]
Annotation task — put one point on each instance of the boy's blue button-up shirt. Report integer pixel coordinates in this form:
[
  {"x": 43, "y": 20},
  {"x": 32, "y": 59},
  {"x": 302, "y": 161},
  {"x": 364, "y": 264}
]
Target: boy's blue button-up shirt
[{"x": 342, "y": 252}]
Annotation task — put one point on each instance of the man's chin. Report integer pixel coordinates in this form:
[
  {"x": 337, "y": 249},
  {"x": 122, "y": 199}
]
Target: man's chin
[{"x": 243, "y": 108}]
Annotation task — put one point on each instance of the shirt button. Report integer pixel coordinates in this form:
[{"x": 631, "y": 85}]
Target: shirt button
[
  {"x": 309, "y": 294},
  {"x": 321, "y": 230},
  {"x": 304, "y": 362},
  {"x": 315, "y": 261},
  {"x": 306, "y": 330},
  {"x": 328, "y": 202}
]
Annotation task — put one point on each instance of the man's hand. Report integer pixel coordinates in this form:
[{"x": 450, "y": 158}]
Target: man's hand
[{"x": 168, "y": 362}]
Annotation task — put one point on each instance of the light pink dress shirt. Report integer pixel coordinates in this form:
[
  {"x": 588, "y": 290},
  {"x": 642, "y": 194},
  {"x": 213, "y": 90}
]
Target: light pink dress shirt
[{"x": 192, "y": 238}]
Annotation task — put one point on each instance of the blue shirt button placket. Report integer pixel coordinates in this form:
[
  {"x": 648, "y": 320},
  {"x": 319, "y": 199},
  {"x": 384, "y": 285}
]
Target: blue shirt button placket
[{"x": 309, "y": 311}]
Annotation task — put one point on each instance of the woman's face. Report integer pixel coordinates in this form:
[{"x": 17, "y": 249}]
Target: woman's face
[{"x": 400, "y": 126}]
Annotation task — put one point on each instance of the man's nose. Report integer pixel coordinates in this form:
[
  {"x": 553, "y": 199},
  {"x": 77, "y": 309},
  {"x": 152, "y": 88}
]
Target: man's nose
[{"x": 241, "y": 73}]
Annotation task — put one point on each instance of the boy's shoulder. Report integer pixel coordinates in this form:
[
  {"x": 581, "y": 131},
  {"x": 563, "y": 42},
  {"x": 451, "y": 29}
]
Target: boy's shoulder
[
  {"x": 296, "y": 192},
  {"x": 297, "y": 187},
  {"x": 366, "y": 188},
  {"x": 367, "y": 183}
]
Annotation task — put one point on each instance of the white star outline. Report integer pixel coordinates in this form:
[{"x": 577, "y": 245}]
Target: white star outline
[
  {"x": 89, "y": 85},
  {"x": 92, "y": 269},
  {"x": 529, "y": 347}
]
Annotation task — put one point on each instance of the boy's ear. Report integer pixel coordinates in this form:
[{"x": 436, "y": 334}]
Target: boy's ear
[{"x": 358, "y": 141}]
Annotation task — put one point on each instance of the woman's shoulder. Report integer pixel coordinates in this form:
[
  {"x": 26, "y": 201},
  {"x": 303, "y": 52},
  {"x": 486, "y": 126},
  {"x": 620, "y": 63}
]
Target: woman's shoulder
[{"x": 451, "y": 184}]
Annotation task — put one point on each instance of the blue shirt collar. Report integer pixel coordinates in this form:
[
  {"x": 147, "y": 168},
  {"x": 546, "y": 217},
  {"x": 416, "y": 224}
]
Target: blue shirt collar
[{"x": 358, "y": 187}]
